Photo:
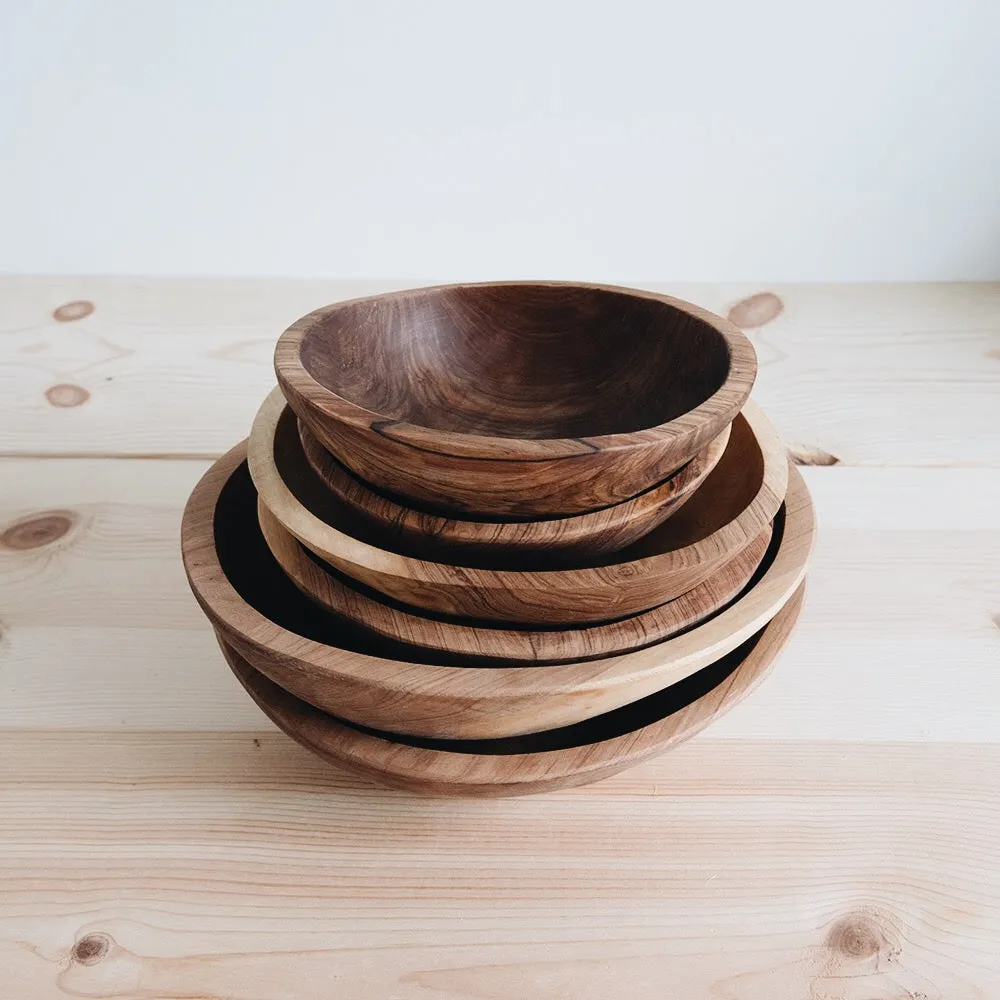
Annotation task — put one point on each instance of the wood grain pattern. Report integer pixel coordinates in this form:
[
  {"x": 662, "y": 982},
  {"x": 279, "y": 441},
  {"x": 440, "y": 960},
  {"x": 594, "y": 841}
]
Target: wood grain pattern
[
  {"x": 519, "y": 399},
  {"x": 161, "y": 839},
  {"x": 429, "y": 535},
  {"x": 541, "y": 761},
  {"x": 451, "y": 641},
  {"x": 736, "y": 501},
  {"x": 238, "y": 865},
  {"x": 322, "y": 660}
]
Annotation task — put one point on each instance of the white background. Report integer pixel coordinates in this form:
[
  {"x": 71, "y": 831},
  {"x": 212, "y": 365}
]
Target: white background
[{"x": 728, "y": 140}]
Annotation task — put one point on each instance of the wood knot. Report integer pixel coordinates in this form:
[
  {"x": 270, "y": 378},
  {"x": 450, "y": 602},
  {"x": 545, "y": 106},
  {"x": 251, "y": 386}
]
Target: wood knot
[
  {"x": 810, "y": 455},
  {"x": 756, "y": 310},
  {"x": 65, "y": 394},
  {"x": 37, "y": 530},
  {"x": 91, "y": 949},
  {"x": 70, "y": 311},
  {"x": 627, "y": 570},
  {"x": 856, "y": 937}
]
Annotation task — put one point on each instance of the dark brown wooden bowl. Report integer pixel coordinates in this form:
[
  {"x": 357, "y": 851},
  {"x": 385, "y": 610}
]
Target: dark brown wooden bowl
[
  {"x": 737, "y": 500},
  {"x": 574, "y": 539},
  {"x": 515, "y": 399},
  {"x": 324, "y": 660},
  {"x": 573, "y": 755},
  {"x": 456, "y": 641}
]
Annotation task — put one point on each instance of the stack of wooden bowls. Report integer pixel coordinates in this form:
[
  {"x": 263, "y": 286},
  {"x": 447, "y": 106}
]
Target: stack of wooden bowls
[{"x": 490, "y": 539}]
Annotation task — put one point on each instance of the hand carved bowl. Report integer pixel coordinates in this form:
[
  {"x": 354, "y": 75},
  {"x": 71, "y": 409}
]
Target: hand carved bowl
[
  {"x": 539, "y": 761},
  {"x": 737, "y": 500},
  {"x": 572, "y": 539},
  {"x": 516, "y": 399},
  {"x": 457, "y": 641},
  {"x": 326, "y": 661}
]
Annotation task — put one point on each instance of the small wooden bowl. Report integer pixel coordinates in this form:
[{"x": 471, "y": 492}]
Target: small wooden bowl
[
  {"x": 574, "y": 755},
  {"x": 737, "y": 500},
  {"x": 451, "y": 641},
  {"x": 325, "y": 661},
  {"x": 515, "y": 399},
  {"x": 582, "y": 536}
]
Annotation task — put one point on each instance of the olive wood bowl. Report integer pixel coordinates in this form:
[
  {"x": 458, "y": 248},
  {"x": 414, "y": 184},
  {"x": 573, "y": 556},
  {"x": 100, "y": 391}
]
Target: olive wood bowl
[
  {"x": 737, "y": 500},
  {"x": 515, "y": 399},
  {"x": 322, "y": 659},
  {"x": 573, "y": 755},
  {"x": 577, "y": 538},
  {"x": 452, "y": 640}
]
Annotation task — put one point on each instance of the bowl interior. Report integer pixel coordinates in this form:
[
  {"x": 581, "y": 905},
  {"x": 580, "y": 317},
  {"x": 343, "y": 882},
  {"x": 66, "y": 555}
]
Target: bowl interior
[
  {"x": 727, "y": 490},
  {"x": 254, "y": 573},
  {"x": 518, "y": 360}
]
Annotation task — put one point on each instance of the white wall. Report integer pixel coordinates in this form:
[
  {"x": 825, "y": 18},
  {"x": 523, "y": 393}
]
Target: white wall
[{"x": 732, "y": 140}]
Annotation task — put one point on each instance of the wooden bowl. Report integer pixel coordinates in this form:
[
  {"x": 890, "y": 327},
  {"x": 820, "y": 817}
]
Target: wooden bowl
[
  {"x": 450, "y": 641},
  {"x": 578, "y": 537},
  {"x": 515, "y": 399},
  {"x": 573, "y": 755},
  {"x": 737, "y": 500},
  {"x": 323, "y": 660}
]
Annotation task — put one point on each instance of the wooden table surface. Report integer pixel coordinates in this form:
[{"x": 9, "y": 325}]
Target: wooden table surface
[{"x": 837, "y": 837}]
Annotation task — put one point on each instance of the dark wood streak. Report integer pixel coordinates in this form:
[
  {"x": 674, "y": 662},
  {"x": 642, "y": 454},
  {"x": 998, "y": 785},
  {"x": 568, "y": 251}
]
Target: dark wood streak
[
  {"x": 738, "y": 498},
  {"x": 490, "y": 389},
  {"x": 568, "y": 540}
]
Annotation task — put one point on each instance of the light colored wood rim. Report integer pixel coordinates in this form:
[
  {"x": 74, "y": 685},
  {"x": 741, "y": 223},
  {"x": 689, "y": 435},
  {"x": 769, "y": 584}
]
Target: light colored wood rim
[
  {"x": 489, "y": 593},
  {"x": 653, "y": 505},
  {"x": 444, "y": 772},
  {"x": 510, "y": 646},
  {"x": 725, "y": 401},
  {"x": 476, "y": 702}
]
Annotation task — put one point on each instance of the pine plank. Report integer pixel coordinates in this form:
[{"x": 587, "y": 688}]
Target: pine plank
[{"x": 226, "y": 865}]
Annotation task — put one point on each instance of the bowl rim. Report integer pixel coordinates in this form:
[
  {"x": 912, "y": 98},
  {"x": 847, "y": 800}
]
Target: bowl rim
[
  {"x": 321, "y": 537},
  {"x": 443, "y": 770},
  {"x": 487, "y": 694},
  {"x": 719, "y": 407},
  {"x": 537, "y": 646}
]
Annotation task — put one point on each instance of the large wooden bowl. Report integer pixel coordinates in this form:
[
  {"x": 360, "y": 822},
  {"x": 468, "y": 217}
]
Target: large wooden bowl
[
  {"x": 577, "y": 538},
  {"x": 518, "y": 399},
  {"x": 323, "y": 660},
  {"x": 451, "y": 640},
  {"x": 574, "y": 755},
  {"x": 737, "y": 500}
]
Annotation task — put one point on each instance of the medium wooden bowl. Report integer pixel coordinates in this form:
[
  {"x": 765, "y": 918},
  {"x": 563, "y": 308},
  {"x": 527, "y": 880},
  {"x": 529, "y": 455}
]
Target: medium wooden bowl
[
  {"x": 325, "y": 661},
  {"x": 737, "y": 500},
  {"x": 579, "y": 537},
  {"x": 574, "y": 755},
  {"x": 515, "y": 399},
  {"x": 451, "y": 641}
]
